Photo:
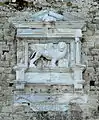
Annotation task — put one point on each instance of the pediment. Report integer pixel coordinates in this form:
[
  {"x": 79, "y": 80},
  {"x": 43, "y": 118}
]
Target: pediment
[
  {"x": 52, "y": 15},
  {"x": 32, "y": 25},
  {"x": 45, "y": 15}
]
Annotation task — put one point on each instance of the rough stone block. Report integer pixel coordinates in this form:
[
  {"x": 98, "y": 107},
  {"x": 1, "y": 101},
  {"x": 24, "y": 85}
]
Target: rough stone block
[
  {"x": 11, "y": 76},
  {"x": 0, "y": 88},
  {"x": 86, "y": 51},
  {"x": 1, "y": 69},
  {"x": 4, "y": 63},
  {"x": 7, "y": 109},
  {"x": 10, "y": 42},
  {"x": 84, "y": 45},
  {"x": 7, "y": 70},
  {"x": 95, "y": 51},
  {"x": 97, "y": 44},
  {"x": 12, "y": 62},
  {"x": 90, "y": 58},
  {"x": 18, "y": 117},
  {"x": 7, "y": 37},
  {"x": 5, "y": 48},
  {"x": 90, "y": 44},
  {"x": 96, "y": 64},
  {"x": 90, "y": 63},
  {"x": 8, "y": 118},
  {"x": 1, "y": 25},
  {"x": 1, "y": 34},
  {"x": 6, "y": 32},
  {"x": 96, "y": 58},
  {"x": 97, "y": 69},
  {"x": 4, "y": 115},
  {"x": 90, "y": 32},
  {"x": 90, "y": 69},
  {"x": 6, "y": 25}
]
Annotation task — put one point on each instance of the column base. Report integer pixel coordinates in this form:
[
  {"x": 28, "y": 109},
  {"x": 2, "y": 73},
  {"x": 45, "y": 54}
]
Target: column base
[{"x": 20, "y": 85}]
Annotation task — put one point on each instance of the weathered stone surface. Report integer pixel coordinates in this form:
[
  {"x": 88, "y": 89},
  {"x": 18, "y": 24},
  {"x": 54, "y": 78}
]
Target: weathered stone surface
[
  {"x": 97, "y": 44},
  {"x": 1, "y": 34},
  {"x": 4, "y": 63},
  {"x": 7, "y": 109},
  {"x": 90, "y": 58},
  {"x": 4, "y": 115},
  {"x": 90, "y": 70},
  {"x": 1, "y": 69},
  {"x": 11, "y": 76},
  {"x": 90, "y": 44},
  {"x": 90, "y": 49},
  {"x": 7, "y": 70},
  {"x": 95, "y": 51},
  {"x": 8, "y": 37}
]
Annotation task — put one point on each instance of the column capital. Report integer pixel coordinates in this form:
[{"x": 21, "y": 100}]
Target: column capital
[
  {"x": 79, "y": 67},
  {"x": 78, "y": 33},
  {"x": 77, "y": 39},
  {"x": 20, "y": 67}
]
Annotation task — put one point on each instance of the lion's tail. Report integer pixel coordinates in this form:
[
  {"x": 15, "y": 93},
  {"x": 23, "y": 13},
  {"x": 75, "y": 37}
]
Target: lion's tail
[{"x": 33, "y": 54}]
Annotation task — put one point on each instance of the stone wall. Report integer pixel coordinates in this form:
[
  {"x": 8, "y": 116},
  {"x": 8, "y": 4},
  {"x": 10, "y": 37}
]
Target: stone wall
[
  {"x": 7, "y": 77},
  {"x": 7, "y": 61},
  {"x": 90, "y": 56}
]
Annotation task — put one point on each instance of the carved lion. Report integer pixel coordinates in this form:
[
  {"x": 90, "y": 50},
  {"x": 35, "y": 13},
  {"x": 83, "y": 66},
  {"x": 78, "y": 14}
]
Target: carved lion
[{"x": 50, "y": 53}]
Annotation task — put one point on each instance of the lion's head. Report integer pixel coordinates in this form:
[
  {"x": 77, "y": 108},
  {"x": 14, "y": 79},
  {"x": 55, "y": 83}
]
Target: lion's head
[{"x": 62, "y": 46}]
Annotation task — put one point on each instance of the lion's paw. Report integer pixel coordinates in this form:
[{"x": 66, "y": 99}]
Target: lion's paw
[{"x": 32, "y": 66}]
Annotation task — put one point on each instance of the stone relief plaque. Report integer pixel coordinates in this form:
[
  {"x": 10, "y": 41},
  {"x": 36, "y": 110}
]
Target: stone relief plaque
[
  {"x": 48, "y": 62},
  {"x": 49, "y": 55}
]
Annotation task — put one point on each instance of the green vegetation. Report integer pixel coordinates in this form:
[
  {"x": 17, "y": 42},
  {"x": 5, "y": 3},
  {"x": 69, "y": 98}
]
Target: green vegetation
[{"x": 2, "y": 4}]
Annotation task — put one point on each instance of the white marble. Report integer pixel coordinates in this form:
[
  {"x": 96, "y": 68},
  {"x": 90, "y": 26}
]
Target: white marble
[
  {"x": 72, "y": 54},
  {"x": 78, "y": 34},
  {"x": 13, "y": 0},
  {"x": 20, "y": 73},
  {"x": 46, "y": 102},
  {"x": 47, "y": 15},
  {"x": 54, "y": 54},
  {"x": 68, "y": 55},
  {"x": 49, "y": 78},
  {"x": 78, "y": 69},
  {"x": 50, "y": 52}
]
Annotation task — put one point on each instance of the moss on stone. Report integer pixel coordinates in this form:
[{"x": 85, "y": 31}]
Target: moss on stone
[{"x": 2, "y": 4}]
